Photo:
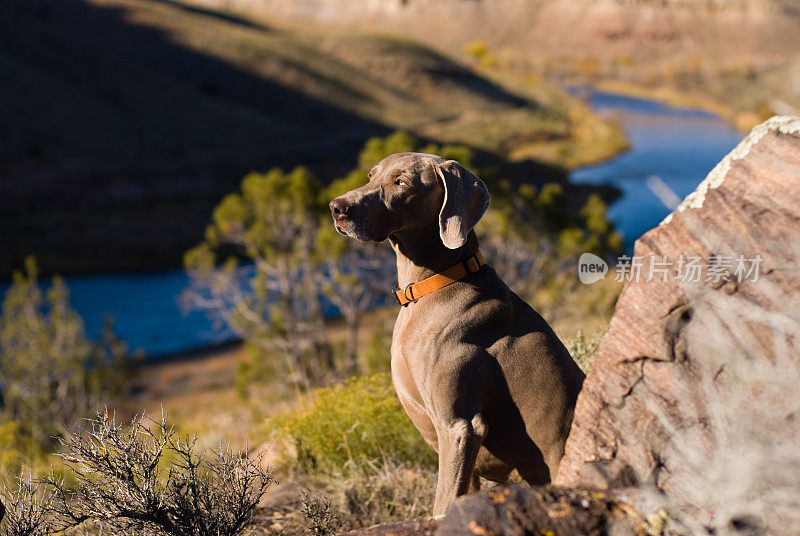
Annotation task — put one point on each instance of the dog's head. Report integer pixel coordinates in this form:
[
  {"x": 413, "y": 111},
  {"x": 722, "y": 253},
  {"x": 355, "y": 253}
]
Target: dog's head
[{"x": 409, "y": 191}]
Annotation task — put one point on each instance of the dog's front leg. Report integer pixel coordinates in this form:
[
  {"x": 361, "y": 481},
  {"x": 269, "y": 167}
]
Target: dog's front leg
[{"x": 459, "y": 442}]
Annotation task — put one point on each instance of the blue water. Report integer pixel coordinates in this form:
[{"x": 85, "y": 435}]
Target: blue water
[
  {"x": 147, "y": 311},
  {"x": 679, "y": 146}
]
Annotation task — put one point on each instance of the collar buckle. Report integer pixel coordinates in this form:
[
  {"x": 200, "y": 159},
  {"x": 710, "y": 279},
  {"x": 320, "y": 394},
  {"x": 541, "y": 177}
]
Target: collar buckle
[{"x": 406, "y": 293}]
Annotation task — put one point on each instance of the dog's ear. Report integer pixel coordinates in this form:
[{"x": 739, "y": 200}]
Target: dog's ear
[{"x": 465, "y": 200}]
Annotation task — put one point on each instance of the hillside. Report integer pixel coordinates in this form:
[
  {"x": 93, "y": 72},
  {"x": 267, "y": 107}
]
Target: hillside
[
  {"x": 124, "y": 121},
  {"x": 755, "y": 30},
  {"x": 719, "y": 54}
]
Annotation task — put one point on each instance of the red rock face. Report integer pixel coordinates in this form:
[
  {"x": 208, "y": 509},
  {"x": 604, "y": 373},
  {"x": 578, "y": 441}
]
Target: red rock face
[{"x": 672, "y": 342}]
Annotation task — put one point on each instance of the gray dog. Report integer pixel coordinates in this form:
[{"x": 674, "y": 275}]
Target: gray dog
[{"x": 482, "y": 376}]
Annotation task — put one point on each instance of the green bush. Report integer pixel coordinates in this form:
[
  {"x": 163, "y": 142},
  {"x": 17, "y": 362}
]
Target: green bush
[
  {"x": 357, "y": 421},
  {"x": 18, "y": 451}
]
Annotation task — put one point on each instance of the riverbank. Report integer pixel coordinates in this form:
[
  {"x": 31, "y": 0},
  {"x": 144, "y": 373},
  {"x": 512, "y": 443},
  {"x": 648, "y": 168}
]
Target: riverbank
[
  {"x": 677, "y": 145},
  {"x": 743, "y": 121},
  {"x": 203, "y": 389}
]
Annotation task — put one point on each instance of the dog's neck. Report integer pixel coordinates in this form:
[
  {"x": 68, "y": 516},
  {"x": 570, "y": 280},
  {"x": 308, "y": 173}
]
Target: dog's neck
[{"x": 421, "y": 253}]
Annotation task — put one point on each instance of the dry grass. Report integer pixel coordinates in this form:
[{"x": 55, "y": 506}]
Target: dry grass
[
  {"x": 582, "y": 349},
  {"x": 378, "y": 492}
]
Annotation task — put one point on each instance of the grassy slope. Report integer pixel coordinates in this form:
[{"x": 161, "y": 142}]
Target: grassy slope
[
  {"x": 743, "y": 100},
  {"x": 731, "y": 57},
  {"x": 126, "y": 120}
]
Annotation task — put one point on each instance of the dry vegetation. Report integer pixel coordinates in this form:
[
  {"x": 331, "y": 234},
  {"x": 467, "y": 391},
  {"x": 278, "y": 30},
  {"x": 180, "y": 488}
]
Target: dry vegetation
[{"x": 346, "y": 456}]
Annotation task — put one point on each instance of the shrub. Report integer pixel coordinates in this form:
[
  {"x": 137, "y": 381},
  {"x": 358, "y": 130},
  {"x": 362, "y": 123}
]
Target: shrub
[
  {"x": 357, "y": 421},
  {"x": 140, "y": 480},
  {"x": 320, "y": 515}
]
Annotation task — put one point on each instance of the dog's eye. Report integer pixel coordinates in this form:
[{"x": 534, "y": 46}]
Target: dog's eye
[{"x": 400, "y": 182}]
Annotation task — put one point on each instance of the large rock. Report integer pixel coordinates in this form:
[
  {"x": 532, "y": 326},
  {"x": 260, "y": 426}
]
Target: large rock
[{"x": 695, "y": 374}]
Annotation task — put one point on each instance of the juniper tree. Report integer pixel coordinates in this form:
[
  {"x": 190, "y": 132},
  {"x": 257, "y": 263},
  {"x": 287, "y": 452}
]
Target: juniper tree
[
  {"x": 354, "y": 275},
  {"x": 255, "y": 270},
  {"x": 534, "y": 240}
]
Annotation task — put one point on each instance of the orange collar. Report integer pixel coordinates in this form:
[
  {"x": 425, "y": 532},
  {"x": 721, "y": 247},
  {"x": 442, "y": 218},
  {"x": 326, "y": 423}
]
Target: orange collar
[{"x": 415, "y": 291}]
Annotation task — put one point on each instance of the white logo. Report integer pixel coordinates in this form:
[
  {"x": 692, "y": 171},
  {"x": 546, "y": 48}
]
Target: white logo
[{"x": 591, "y": 268}]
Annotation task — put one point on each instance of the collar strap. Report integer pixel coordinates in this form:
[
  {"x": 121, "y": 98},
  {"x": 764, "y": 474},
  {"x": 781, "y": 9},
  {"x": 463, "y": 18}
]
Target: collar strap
[{"x": 415, "y": 291}]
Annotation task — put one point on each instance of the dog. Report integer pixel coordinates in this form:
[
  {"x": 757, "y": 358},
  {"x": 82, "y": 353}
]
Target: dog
[{"x": 482, "y": 375}]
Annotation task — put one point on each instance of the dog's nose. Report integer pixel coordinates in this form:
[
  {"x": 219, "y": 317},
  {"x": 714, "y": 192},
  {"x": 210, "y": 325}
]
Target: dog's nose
[{"x": 339, "y": 208}]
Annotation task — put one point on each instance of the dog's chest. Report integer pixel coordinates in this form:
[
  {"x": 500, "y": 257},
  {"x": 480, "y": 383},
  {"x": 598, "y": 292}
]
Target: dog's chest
[
  {"x": 408, "y": 349},
  {"x": 408, "y": 376}
]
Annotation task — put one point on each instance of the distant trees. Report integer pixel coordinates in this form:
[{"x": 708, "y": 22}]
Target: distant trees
[
  {"x": 533, "y": 240},
  {"x": 271, "y": 258},
  {"x": 353, "y": 276},
  {"x": 356, "y": 275},
  {"x": 51, "y": 374}
]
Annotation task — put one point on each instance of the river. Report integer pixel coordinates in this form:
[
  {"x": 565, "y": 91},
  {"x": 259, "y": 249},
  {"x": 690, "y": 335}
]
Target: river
[{"x": 679, "y": 146}]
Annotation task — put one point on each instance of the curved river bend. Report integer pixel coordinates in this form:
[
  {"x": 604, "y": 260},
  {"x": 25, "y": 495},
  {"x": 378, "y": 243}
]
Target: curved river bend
[{"x": 679, "y": 146}]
